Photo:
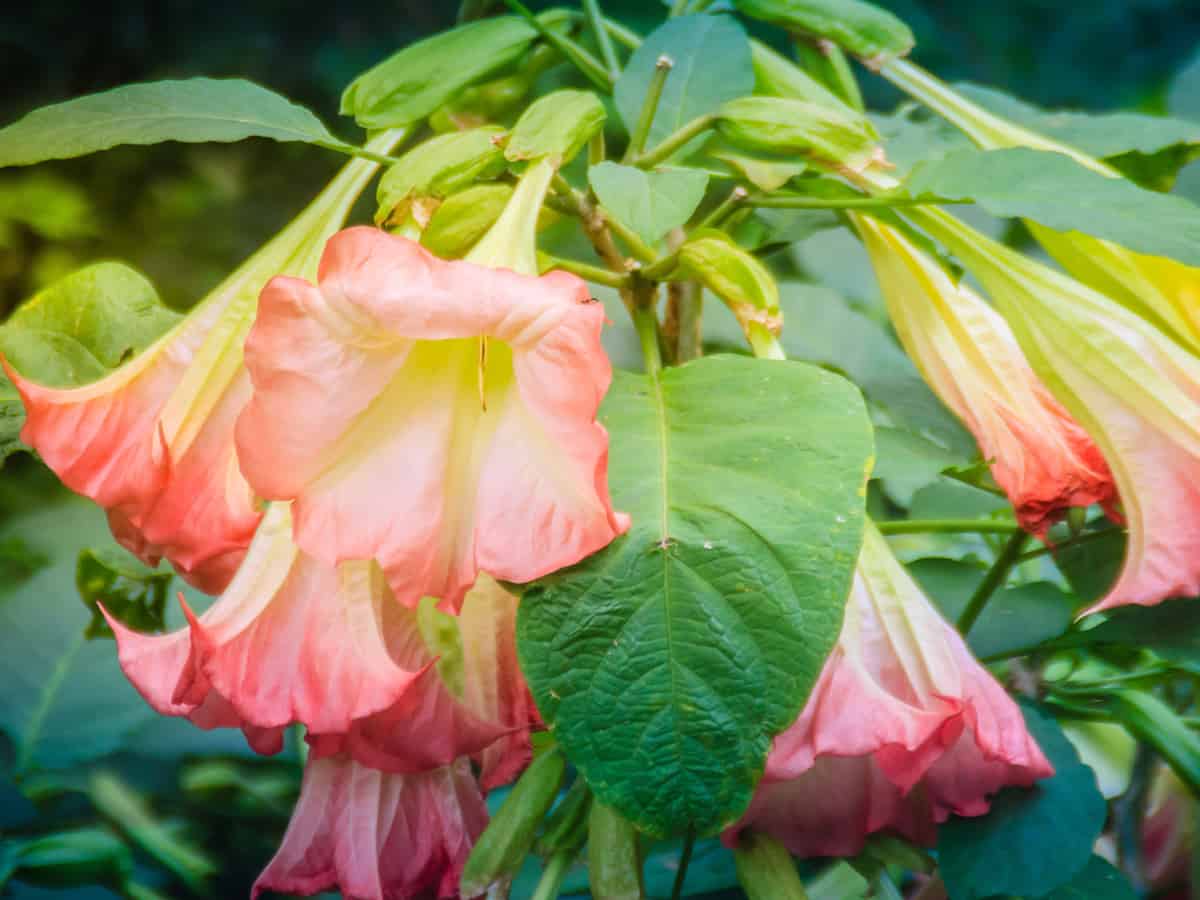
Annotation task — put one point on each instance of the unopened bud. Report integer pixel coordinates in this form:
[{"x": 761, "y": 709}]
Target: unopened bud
[
  {"x": 865, "y": 30},
  {"x": 737, "y": 277},
  {"x": 838, "y": 138},
  {"x": 464, "y": 218},
  {"x": 556, "y": 126}
]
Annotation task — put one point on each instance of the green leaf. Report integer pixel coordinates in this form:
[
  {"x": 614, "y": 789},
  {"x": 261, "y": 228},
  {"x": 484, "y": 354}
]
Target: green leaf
[
  {"x": 863, "y": 29},
  {"x": 132, "y": 592},
  {"x": 1015, "y": 619},
  {"x": 557, "y": 125},
  {"x": 712, "y": 65},
  {"x": 908, "y": 462},
  {"x": 651, "y": 203},
  {"x": 1091, "y": 564},
  {"x": 1034, "y": 840},
  {"x": 85, "y": 325},
  {"x": 665, "y": 663},
  {"x": 1171, "y": 630},
  {"x": 1098, "y": 881},
  {"x": 1102, "y": 135},
  {"x": 1055, "y": 191},
  {"x": 63, "y": 699},
  {"x": 81, "y": 856},
  {"x": 193, "y": 110},
  {"x": 409, "y": 85}
]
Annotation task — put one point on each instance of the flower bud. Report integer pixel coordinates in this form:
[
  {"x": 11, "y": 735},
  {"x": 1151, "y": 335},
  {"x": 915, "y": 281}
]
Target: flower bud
[
  {"x": 865, "y": 30},
  {"x": 436, "y": 169},
  {"x": 836, "y": 137},
  {"x": 556, "y": 126},
  {"x": 614, "y": 865},
  {"x": 502, "y": 847},
  {"x": 464, "y": 218},
  {"x": 766, "y": 870},
  {"x": 738, "y": 278}
]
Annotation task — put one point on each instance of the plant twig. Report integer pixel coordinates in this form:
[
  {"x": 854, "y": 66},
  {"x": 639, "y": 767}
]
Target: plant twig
[
  {"x": 948, "y": 526},
  {"x": 673, "y": 142},
  {"x": 641, "y": 131},
  {"x": 995, "y": 577},
  {"x": 685, "y": 858},
  {"x": 595, "y": 20},
  {"x": 580, "y": 58}
]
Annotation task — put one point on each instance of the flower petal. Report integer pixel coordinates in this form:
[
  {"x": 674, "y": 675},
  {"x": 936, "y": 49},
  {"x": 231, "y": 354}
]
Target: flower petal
[
  {"x": 369, "y": 399},
  {"x": 376, "y": 836}
]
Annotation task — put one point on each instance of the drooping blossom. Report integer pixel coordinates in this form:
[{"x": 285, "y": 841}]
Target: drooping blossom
[
  {"x": 1133, "y": 389},
  {"x": 437, "y": 417},
  {"x": 903, "y": 728},
  {"x": 378, "y": 836},
  {"x": 294, "y": 639},
  {"x": 152, "y": 443},
  {"x": 1042, "y": 459},
  {"x": 1160, "y": 289}
]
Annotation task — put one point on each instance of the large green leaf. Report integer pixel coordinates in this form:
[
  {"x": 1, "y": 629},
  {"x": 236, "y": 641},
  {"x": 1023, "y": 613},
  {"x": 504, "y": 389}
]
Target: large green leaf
[
  {"x": 1055, "y": 191},
  {"x": 651, "y": 203},
  {"x": 665, "y": 663},
  {"x": 1034, "y": 840},
  {"x": 409, "y": 85},
  {"x": 1099, "y": 880},
  {"x": 864, "y": 29},
  {"x": 76, "y": 331},
  {"x": 1171, "y": 629},
  {"x": 711, "y": 56},
  {"x": 191, "y": 110}
]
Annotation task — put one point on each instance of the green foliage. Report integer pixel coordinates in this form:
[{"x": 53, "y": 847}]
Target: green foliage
[
  {"x": 411, "y": 84},
  {"x": 557, "y": 125},
  {"x": 1034, "y": 840},
  {"x": 861, "y": 28},
  {"x": 131, "y": 592},
  {"x": 730, "y": 584},
  {"x": 193, "y": 110},
  {"x": 798, "y": 128},
  {"x": 651, "y": 203},
  {"x": 1170, "y": 630},
  {"x": 1097, "y": 881},
  {"x": 437, "y": 168},
  {"x": 1055, "y": 191},
  {"x": 711, "y": 57}
]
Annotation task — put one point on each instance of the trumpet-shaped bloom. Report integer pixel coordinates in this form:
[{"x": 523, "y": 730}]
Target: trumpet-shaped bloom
[
  {"x": 1134, "y": 389},
  {"x": 297, "y": 640},
  {"x": 152, "y": 443},
  {"x": 1169, "y": 831},
  {"x": 1039, "y": 455},
  {"x": 903, "y": 728},
  {"x": 438, "y": 417},
  {"x": 378, "y": 836}
]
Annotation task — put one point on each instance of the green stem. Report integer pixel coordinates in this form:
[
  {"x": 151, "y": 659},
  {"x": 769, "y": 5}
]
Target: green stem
[
  {"x": 580, "y": 58},
  {"x": 785, "y": 201},
  {"x": 724, "y": 208},
  {"x": 673, "y": 142},
  {"x": 947, "y": 526},
  {"x": 553, "y": 875},
  {"x": 995, "y": 577},
  {"x": 764, "y": 344},
  {"x": 626, "y": 37},
  {"x": 1070, "y": 542},
  {"x": 595, "y": 20},
  {"x": 685, "y": 858},
  {"x": 361, "y": 152},
  {"x": 641, "y": 131},
  {"x": 661, "y": 267},
  {"x": 691, "y": 312},
  {"x": 646, "y": 323},
  {"x": 828, "y": 64},
  {"x": 586, "y": 271},
  {"x": 638, "y": 248}
]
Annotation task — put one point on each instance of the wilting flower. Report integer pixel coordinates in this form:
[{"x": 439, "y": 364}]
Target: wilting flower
[
  {"x": 1039, "y": 455},
  {"x": 378, "y": 836},
  {"x": 1132, "y": 388},
  {"x": 294, "y": 639},
  {"x": 1163, "y": 290},
  {"x": 1169, "y": 831},
  {"x": 903, "y": 729},
  {"x": 438, "y": 417},
  {"x": 152, "y": 443}
]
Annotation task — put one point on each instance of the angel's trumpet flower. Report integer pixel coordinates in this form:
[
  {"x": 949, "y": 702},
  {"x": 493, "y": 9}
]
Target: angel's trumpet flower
[
  {"x": 152, "y": 443},
  {"x": 1039, "y": 455},
  {"x": 903, "y": 728}
]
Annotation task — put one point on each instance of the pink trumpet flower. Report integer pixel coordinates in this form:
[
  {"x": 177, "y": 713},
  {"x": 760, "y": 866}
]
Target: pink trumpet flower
[
  {"x": 152, "y": 443},
  {"x": 297, "y": 640},
  {"x": 378, "y": 836},
  {"x": 903, "y": 729},
  {"x": 1039, "y": 455},
  {"x": 437, "y": 417}
]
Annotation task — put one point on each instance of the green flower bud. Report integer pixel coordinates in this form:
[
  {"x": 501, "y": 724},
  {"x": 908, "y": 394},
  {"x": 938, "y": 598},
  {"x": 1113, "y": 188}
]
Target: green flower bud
[
  {"x": 436, "y": 169},
  {"x": 614, "y": 864},
  {"x": 835, "y": 136},
  {"x": 738, "y": 278},
  {"x": 556, "y": 126},
  {"x": 865, "y": 30},
  {"x": 464, "y": 218},
  {"x": 777, "y": 76},
  {"x": 566, "y": 827},
  {"x": 502, "y": 847},
  {"x": 766, "y": 870}
]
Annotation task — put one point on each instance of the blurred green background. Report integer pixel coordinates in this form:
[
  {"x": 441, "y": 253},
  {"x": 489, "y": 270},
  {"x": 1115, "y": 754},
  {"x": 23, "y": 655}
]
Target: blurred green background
[{"x": 186, "y": 214}]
